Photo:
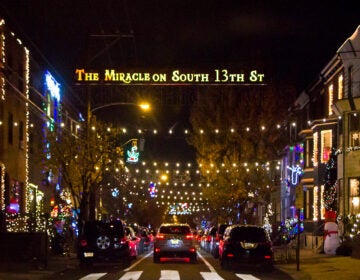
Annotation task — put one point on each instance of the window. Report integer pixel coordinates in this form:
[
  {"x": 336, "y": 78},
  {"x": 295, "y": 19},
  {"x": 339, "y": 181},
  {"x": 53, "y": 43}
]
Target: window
[
  {"x": 354, "y": 130},
  {"x": 21, "y": 135},
  {"x": 326, "y": 143},
  {"x": 308, "y": 152},
  {"x": 331, "y": 98},
  {"x": 340, "y": 87},
  {"x": 354, "y": 192}
]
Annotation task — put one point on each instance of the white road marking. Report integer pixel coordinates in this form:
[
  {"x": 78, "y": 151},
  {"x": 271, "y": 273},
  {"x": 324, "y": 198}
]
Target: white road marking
[
  {"x": 93, "y": 276},
  {"x": 211, "y": 276},
  {"x": 211, "y": 268},
  {"x": 169, "y": 275},
  {"x": 137, "y": 262},
  {"x": 247, "y": 277},
  {"x": 131, "y": 275}
]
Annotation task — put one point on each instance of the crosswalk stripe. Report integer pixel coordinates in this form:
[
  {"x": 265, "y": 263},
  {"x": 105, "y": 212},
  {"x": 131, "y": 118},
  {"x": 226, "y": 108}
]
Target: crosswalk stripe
[
  {"x": 247, "y": 277},
  {"x": 131, "y": 275},
  {"x": 211, "y": 276},
  {"x": 170, "y": 275},
  {"x": 93, "y": 276}
]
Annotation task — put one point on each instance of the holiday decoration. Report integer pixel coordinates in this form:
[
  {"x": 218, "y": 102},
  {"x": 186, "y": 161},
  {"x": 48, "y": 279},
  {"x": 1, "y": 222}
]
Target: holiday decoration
[
  {"x": 329, "y": 196},
  {"x": 331, "y": 236}
]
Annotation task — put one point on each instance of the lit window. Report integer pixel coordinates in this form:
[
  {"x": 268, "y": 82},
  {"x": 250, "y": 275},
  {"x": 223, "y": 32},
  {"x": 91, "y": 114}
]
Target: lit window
[
  {"x": 340, "y": 87},
  {"x": 354, "y": 194},
  {"x": 326, "y": 143},
  {"x": 354, "y": 133}
]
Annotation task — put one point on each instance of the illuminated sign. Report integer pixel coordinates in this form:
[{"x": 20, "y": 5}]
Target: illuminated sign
[
  {"x": 174, "y": 77},
  {"x": 132, "y": 153},
  {"x": 52, "y": 85}
]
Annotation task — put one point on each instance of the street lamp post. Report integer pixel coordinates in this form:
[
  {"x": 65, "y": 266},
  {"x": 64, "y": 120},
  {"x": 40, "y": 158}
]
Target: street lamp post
[{"x": 143, "y": 106}]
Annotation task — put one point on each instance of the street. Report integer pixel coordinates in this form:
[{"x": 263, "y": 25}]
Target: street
[{"x": 143, "y": 267}]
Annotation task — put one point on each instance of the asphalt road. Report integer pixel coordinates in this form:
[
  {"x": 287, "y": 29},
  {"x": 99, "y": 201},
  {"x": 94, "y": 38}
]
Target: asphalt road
[{"x": 143, "y": 268}]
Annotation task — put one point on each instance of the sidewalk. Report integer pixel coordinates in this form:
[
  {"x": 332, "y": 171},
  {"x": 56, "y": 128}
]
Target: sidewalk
[{"x": 320, "y": 266}]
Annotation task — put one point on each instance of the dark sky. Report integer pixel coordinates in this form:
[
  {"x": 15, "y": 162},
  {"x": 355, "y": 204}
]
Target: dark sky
[{"x": 290, "y": 40}]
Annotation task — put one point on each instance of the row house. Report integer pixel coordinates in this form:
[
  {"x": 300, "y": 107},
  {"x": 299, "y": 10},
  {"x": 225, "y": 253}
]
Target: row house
[
  {"x": 327, "y": 117},
  {"x": 30, "y": 105},
  {"x": 14, "y": 123}
]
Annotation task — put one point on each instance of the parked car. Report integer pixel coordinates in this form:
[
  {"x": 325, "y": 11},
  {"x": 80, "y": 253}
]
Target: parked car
[
  {"x": 134, "y": 241},
  {"x": 214, "y": 243},
  {"x": 102, "y": 242},
  {"x": 246, "y": 245},
  {"x": 174, "y": 241}
]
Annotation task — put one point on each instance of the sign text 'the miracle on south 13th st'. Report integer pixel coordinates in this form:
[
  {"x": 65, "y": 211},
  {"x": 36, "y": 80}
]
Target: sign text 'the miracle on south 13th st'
[{"x": 217, "y": 77}]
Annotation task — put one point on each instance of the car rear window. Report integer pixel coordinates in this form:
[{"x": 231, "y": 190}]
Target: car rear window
[
  {"x": 97, "y": 227},
  {"x": 249, "y": 234},
  {"x": 175, "y": 230}
]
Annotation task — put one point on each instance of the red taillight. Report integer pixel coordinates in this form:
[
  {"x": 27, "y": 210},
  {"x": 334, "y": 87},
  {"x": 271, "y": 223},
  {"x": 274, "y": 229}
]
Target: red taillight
[
  {"x": 160, "y": 236},
  {"x": 157, "y": 250},
  {"x": 123, "y": 240},
  {"x": 267, "y": 257},
  {"x": 230, "y": 255},
  {"x": 192, "y": 250},
  {"x": 189, "y": 236},
  {"x": 83, "y": 242}
]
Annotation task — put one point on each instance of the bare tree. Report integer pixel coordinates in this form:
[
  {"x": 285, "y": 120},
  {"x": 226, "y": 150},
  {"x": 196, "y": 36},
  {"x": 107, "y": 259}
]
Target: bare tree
[
  {"x": 82, "y": 160},
  {"x": 237, "y": 133}
]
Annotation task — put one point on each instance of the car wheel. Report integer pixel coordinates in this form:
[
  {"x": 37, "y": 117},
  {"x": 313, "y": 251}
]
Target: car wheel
[{"x": 103, "y": 242}]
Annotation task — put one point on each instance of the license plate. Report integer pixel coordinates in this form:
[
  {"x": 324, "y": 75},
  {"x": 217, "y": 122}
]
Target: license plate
[
  {"x": 88, "y": 254},
  {"x": 174, "y": 241}
]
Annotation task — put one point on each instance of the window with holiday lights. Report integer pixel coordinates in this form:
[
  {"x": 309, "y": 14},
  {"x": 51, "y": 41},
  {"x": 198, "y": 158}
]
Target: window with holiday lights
[
  {"x": 340, "y": 87},
  {"x": 326, "y": 143},
  {"x": 354, "y": 127},
  {"x": 354, "y": 191}
]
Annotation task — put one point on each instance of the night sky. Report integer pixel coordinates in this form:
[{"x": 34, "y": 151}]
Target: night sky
[
  {"x": 289, "y": 37},
  {"x": 289, "y": 40}
]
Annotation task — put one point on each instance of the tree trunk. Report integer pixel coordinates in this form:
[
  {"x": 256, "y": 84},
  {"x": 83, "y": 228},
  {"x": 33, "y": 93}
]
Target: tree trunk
[{"x": 92, "y": 205}]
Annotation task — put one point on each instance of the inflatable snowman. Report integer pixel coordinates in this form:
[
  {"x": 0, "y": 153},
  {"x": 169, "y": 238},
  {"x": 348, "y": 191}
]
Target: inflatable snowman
[{"x": 331, "y": 235}]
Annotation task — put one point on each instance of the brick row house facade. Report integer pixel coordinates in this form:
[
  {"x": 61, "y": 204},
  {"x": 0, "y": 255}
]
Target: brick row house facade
[
  {"x": 30, "y": 104},
  {"x": 327, "y": 119}
]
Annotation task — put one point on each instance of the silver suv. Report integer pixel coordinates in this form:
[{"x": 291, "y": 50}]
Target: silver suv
[{"x": 174, "y": 241}]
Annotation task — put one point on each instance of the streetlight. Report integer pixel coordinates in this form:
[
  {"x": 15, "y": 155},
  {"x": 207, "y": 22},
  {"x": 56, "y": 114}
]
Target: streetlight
[{"x": 144, "y": 106}]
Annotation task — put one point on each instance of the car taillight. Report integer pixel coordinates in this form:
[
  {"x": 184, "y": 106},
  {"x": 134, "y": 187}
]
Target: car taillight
[
  {"x": 83, "y": 242},
  {"x": 230, "y": 255},
  {"x": 189, "y": 236},
  {"x": 267, "y": 257},
  {"x": 192, "y": 250},
  {"x": 123, "y": 240},
  {"x": 157, "y": 250},
  {"x": 160, "y": 236}
]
